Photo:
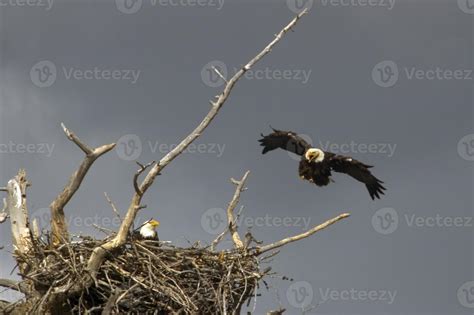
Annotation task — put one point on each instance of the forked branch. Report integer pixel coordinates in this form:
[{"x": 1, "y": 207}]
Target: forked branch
[
  {"x": 230, "y": 210},
  {"x": 231, "y": 222},
  {"x": 58, "y": 221}
]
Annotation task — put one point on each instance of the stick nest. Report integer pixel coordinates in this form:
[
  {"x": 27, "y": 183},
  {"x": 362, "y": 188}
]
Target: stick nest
[{"x": 149, "y": 277}]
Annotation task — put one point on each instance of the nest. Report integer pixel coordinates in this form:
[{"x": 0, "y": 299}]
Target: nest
[{"x": 149, "y": 277}]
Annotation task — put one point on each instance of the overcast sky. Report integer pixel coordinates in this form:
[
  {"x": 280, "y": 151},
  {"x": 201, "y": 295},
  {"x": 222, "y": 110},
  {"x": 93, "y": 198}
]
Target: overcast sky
[{"x": 387, "y": 82}]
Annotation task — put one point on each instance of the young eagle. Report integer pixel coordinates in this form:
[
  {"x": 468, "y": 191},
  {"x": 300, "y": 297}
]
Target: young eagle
[{"x": 316, "y": 165}]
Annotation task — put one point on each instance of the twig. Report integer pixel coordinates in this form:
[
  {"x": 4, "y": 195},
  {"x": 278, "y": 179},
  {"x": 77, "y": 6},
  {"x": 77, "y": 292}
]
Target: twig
[
  {"x": 58, "y": 221},
  {"x": 109, "y": 306},
  {"x": 219, "y": 74},
  {"x": 283, "y": 242},
  {"x": 7, "y": 283},
  {"x": 137, "y": 175},
  {"x": 230, "y": 210},
  {"x": 114, "y": 208}
]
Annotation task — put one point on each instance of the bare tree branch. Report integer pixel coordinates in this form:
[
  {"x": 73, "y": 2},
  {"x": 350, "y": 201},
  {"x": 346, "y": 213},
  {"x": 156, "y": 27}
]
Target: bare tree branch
[
  {"x": 17, "y": 209},
  {"x": 283, "y": 242},
  {"x": 58, "y": 221},
  {"x": 137, "y": 175},
  {"x": 231, "y": 222},
  {"x": 99, "y": 253},
  {"x": 10, "y": 284},
  {"x": 114, "y": 208},
  {"x": 230, "y": 210}
]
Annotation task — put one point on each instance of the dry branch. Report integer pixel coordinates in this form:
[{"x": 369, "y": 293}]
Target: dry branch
[
  {"x": 58, "y": 221},
  {"x": 230, "y": 210},
  {"x": 231, "y": 222},
  {"x": 283, "y": 242},
  {"x": 10, "y": 284},
  {"x": 17, "y": 209}
]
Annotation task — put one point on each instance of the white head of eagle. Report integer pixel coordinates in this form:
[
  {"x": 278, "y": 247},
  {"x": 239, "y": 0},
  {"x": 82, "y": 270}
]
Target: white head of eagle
[
  {"x": 148, "y": 230},
  {"x": 314, "y": 155}
]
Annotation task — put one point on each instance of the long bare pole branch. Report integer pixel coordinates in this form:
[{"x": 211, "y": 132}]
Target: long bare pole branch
[
  {"x": 230, "y": 210},
  {"x": 99, "y": 253},
  {"x": 231, "y": 225},
  {"x": 58, "y": 221},
  {"x": 283, "y": 242}
]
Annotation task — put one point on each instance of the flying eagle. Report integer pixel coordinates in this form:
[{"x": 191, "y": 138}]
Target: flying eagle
[
  {"x": 148, "y": 230},
  {"x": 316, "y": 165}
]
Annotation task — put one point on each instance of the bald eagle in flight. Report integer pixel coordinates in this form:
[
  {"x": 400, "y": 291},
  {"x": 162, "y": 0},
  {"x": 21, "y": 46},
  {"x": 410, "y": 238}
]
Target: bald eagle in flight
[{"x": 316, "y": 165}]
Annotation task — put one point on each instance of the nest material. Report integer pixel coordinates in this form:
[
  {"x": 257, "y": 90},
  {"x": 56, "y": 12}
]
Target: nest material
[{"x": 148, "y": 277}]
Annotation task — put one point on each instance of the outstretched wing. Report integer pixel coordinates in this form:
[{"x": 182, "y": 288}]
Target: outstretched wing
[
  {"x": 359, "y": 171},
  {"x": 286, "y": 140}
]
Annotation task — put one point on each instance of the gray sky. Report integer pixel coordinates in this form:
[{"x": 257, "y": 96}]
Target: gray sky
[{"x": 334, "y": 79}]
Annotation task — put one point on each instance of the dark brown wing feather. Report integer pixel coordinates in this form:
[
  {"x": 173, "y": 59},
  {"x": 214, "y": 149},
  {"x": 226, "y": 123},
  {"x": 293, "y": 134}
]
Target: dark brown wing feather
[
  {"x": 286, "y": 140},
  {"x": 357, "y": 170}
]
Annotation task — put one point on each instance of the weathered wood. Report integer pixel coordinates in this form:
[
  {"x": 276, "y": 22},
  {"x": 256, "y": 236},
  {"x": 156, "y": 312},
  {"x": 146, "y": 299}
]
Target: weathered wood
[{"x": 18, "y": 212}]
